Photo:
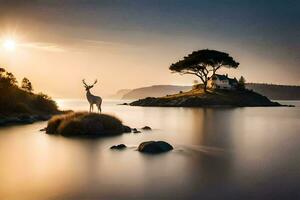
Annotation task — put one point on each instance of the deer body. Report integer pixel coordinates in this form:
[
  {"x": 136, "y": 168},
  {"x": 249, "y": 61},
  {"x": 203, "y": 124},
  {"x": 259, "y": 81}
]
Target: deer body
[{"x": 92, "y": 99}]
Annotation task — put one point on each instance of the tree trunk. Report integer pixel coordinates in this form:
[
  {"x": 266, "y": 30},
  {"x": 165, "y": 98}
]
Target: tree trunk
[{"x": 205, "y": 86}]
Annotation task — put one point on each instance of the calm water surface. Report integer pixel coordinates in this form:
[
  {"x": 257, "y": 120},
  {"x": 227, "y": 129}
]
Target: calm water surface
[{"x": 224, "y": 153}]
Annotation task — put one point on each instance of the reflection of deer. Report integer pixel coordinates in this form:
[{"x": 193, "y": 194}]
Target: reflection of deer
[{"x": 91, "y": 98}]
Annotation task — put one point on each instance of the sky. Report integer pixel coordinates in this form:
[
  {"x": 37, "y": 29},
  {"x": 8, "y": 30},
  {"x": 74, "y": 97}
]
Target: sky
[{"x": 129, "y": 44}]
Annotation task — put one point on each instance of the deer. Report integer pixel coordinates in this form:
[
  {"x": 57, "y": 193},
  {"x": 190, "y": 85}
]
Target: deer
[{"x": 91, "y": 98}]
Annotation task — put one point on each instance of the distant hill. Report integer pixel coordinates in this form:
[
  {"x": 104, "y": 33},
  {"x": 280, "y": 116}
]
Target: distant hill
[
  {"x": 119, "y": 94},
  {"x": 155, "y": 91},
  {"x": 278, "y": 92}
]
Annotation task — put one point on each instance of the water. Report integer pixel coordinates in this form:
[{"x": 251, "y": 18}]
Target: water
[{"x": 223, "y": 153}]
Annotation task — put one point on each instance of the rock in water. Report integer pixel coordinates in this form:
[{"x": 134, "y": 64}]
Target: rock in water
[
  {"x": 118, "y": 147},
  {"x": 154, "y": 147},
  {"x": 126, "y": 129},
  {"x": 146, "y": 128},
  {"x": 134, "y": 130},
  {"x": 43, "y": 129}
]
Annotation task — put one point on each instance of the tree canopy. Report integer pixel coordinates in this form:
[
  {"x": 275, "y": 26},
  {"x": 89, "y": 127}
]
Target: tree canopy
[
  {"x": 26, "y": 85},
  {"x": 203, "y": 64},
  {"x": 20, "y": 100},
  {"x": 241, "y": 83}
]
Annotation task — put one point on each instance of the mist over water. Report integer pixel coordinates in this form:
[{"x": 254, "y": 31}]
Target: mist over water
[{"x": 220, "y": 153}]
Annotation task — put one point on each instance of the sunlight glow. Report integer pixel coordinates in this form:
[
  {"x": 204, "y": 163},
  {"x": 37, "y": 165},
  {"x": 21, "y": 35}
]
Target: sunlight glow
[{"x": 9, "y": 44}]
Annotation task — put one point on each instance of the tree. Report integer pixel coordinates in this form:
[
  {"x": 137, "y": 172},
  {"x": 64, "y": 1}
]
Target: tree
[
  {"x": 2, "y": 71},
  {"x": 241, "y": 83},
  {"x": 11, "y": 79},
  {"x": 203, "y": 64},
  {"x": 26, "y": 85}
]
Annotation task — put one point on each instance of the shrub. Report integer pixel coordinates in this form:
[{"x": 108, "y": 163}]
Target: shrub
[
  {"x": 85, "y": 124},
  {"x": 44, "y": 103}
]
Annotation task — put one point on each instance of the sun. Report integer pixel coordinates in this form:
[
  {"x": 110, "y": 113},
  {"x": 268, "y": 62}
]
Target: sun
[{"x": 9, "y": 44}]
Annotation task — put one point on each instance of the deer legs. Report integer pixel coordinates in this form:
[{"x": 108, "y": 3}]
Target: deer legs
[
  {"x": 91, "y": 107},
  {"x": 99, "y": 107}
]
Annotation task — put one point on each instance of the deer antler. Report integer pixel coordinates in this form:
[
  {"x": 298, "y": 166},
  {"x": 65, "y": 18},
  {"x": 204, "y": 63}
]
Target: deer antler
[
  {"x": 84, "y": 82},
  {"x": 95, "y": 82}
]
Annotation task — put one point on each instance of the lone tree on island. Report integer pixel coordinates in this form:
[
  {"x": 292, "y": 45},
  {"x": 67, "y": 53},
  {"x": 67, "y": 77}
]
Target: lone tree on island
[
  {"x": 203, "y": 63},
  {"x": 241, "y": 83},
  {"x": 26, "y": 85}
]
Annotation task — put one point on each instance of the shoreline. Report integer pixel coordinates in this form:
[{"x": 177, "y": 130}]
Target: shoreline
[
  {"x": 210, "y": 106},
  {"x": 23, "y": 119}
]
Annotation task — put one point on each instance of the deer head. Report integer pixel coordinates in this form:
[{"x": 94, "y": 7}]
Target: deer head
[{"x": 88, "y": 87}]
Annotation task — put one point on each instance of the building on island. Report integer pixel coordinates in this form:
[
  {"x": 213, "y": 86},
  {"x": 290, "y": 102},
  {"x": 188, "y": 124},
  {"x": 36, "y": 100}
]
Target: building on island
[{"x": 218, "y": 81}]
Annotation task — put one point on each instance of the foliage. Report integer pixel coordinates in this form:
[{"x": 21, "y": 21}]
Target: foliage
[
  {"x": 15, "y": 100},
  {"x": 26, "y": 85},
  {"x": 203, "y": 64},
  {"x": 7, "y": 79},
  {"x": 84, "y": 124},
  {"x": 241, "y": 83}
]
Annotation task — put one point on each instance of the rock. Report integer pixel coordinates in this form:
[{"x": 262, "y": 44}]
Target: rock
[
  {"x": 43, "y": 129},
  {"x": 22, "y": 119},
  {"x": 2, "y": 122},
  {"x": 26, "y": 119},
  {"x": 12, "y": 120},
  {"x": 146, "y": 128},
  {"x": 43, "y": 117},
  {"x": 134, "y": 130},
  {"x": 123, "y": 104},
  {"x": 154, "y": 147},
  {"x": 126, "y": 129},
  {"x": 118, "y": 147}
]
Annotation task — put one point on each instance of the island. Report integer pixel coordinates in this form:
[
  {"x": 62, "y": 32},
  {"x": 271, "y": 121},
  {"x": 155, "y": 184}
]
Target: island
[
  {"x": 19, "y": 104},
  {"x": 214, "y": 90},
  {"x": 86, "y": 124},
  {"x": 210, "y": 98}
]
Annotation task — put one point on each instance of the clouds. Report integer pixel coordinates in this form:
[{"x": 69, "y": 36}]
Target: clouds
[
  {"x": 51, "y": 47},
  {"x": 265, "y": 34}
]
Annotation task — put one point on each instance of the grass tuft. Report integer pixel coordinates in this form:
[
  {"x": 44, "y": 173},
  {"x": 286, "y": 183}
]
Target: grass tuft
[{"x": 85, "y": 124}]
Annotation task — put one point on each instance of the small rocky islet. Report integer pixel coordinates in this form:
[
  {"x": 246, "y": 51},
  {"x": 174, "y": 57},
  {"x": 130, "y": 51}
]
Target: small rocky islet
[
  {"x": 86, "y": 124},
  {"x": 213, "y": 98}
]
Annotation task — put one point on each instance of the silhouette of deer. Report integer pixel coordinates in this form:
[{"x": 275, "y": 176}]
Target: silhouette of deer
[{"x": 91, "y": 98}]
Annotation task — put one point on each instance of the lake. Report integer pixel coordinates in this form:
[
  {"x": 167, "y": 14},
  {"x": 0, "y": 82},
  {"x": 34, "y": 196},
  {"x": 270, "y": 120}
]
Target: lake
[{"x": 219, "y": 153}]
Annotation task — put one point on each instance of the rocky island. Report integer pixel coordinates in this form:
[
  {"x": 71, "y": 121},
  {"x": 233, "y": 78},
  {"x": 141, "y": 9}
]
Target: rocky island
[
  {"x": 211, "y": 98},
  {"x": 215, "y": 89}
]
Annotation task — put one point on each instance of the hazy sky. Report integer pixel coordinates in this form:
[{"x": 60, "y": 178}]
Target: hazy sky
[{"x": 128, "y": 44}]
